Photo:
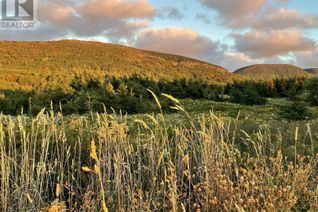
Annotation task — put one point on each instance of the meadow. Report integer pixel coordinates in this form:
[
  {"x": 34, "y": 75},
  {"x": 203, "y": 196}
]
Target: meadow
[
  {"x": 218, "y": 156},
  {"x": 86, "y": 126}
]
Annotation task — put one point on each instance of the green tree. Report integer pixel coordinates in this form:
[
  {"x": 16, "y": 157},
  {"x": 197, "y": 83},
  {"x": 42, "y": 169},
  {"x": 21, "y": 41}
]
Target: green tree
[
  {"x": 312, "y": 88},
  {"x": 247, "y": 96},
  {"x": 296, "y": 111}
]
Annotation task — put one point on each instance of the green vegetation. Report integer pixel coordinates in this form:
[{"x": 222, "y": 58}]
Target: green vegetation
[
  {"x": 51, "y": 162},
  {"x": 312, "y": 87},
  {"x": 296, "y": 111},
  {"x": 88, "y": 133},
  {"x": 130, "y": 95},
  {"x": 312, "y": 71},
  {"x": 251, "y": 92},
  {"x": 247, "y": 96}
]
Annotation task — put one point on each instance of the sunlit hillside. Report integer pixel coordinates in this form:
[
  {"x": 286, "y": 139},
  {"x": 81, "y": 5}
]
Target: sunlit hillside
[
  {"x": 313, "y": 71},
  {"x": 29, "y": 65},
  {"x": 270, "y": 71}
]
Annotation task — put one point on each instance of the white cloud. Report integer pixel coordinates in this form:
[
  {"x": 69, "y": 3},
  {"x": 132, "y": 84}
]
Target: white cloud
[
  {"x": 116, "y": 19},
  {"x": 307, "y": 59},
  {"x": 284, "y": 19},
  {"x": 258, "y": 44},
  {"x": 234, "y": 9},
  {"x": 177, "y": 41}
]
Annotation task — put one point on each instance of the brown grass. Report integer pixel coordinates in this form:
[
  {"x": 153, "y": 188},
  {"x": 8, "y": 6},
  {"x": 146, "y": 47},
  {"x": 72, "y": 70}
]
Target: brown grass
[{"x": 107, "y": 162}]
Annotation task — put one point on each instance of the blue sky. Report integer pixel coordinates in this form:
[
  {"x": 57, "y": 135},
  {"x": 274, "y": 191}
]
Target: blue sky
[
  {"x": 214, "y": 30},
  {"x": 231, "y": 33},
  {"x": 190, "y": 9},
  {"x": 218, "y": 32}
]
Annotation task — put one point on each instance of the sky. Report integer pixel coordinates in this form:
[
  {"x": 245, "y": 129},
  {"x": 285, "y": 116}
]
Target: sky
[{"x": 230, "y": 33}]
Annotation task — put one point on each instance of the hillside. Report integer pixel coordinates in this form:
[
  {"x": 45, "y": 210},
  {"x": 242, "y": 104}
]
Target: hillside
[
  {"x": 265, "y": 72},
  {"x": 312, "y": 71},
  {"x": 43, "y": 65}
]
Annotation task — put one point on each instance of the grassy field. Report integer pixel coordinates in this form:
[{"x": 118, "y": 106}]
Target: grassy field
[
  {"x": 259, "y": 114},
  {"x": 186, "y": 161},
  {"x": 172, "y": 155},
  {"x": 252, "y": 120}
]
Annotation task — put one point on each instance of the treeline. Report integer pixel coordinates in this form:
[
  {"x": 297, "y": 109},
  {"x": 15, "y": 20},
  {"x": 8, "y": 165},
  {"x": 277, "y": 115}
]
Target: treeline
[
  {"x": 302, "y": 92},
  {"x": 130, "y": 95},
  {"x": 255, "y": 92}
]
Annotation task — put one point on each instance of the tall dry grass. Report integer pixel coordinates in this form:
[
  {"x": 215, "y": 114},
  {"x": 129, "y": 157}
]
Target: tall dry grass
[{"x": 105, "y": 162}]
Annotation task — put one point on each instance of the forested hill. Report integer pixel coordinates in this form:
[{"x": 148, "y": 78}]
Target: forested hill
[
  {"x": 54, "y": 64},
  {"x": 312, "y": 71},
  {"x": 271, "y": 71}
]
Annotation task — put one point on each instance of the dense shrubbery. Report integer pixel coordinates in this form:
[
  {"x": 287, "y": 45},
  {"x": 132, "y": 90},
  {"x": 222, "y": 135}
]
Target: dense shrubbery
[
  {"x": 297, "y": 111},
  {"x": 248, "y": 96},
  {"x": 254, "y": 92},
  {"x": 272, "y": 88},
  {"x": 312, "y": 88},
  {"x": 130, "y": 95}
]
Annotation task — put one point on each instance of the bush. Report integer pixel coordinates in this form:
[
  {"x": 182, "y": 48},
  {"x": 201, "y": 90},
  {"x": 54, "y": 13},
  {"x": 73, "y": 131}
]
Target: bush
[
  {"x": 312, "y": 88},
  {"x": 297, "y": 111},
  {"x": 247, "y": 96}
]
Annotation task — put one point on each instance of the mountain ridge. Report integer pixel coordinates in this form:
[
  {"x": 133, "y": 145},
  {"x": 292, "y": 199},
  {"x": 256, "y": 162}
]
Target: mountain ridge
[
  {"x": 50, "y": 63},
  {"x": 270, "y": 71},
  {"x": 312, "y": 71},
  {"x": 45, "y": 65}
]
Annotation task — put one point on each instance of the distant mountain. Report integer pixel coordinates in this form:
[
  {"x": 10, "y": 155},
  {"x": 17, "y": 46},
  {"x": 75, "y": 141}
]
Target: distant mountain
[
  {"x": 54, "y": 64},
  {"x": 269, "y": 71},
  {"x": 312, "y": 71}
]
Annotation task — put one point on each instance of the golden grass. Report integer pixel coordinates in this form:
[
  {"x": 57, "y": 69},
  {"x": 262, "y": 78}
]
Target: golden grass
[{"x": 142, "y": 166}]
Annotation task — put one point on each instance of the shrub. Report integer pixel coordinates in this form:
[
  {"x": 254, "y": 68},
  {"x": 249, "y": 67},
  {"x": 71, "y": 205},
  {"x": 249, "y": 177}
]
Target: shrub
[
  {"x": 312, "y": 88},
  {"x": 296, "y": 111},
  {"x": 248, "y": 96}
]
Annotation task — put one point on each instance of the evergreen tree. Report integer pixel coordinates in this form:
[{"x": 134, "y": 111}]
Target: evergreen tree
[
  {"x": 296, "y": 111},
  {"x": 312, "y": 88}
]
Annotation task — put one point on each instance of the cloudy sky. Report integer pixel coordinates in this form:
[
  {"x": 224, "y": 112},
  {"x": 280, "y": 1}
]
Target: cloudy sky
[{"x": 231, "y": 33}]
